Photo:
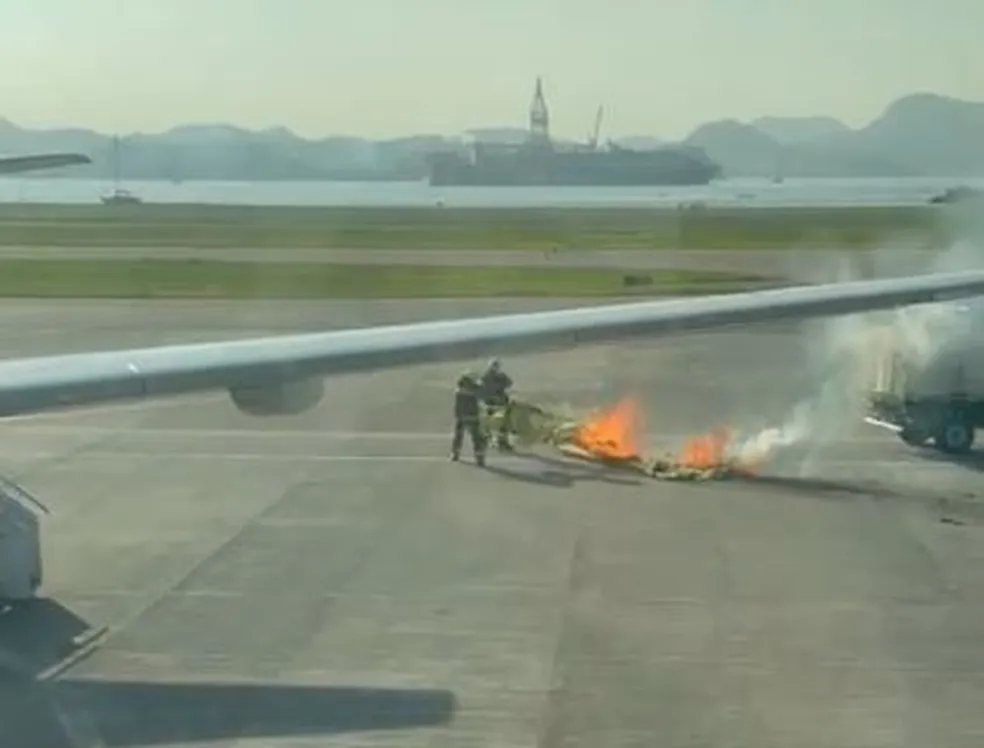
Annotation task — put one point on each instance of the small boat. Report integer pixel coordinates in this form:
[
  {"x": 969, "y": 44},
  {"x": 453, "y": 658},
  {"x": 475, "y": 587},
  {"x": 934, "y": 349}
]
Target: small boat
[{"x": 119, "y": 195}]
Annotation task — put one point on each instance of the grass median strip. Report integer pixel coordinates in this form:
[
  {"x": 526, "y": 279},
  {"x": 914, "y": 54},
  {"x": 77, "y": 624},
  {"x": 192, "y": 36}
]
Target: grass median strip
[
  {"x": 153, "y": 278},
  {"x": 530, "y": 229}
]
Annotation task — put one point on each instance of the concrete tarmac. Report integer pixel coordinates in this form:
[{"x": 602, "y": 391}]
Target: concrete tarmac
[{"x": 330, "y": 579}]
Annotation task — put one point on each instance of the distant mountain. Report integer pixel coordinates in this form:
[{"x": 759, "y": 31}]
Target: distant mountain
[
  {"x": 740, "y": 149},
  {"x": 919, "y": 135},
  {"x": 790, "y": 130},
  {"x": 924, "y": 134},
  {"x": 744, "y": 150},
  {"x": 225, "y": 152}
]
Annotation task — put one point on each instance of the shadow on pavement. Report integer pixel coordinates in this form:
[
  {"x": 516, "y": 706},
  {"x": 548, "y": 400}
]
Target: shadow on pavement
[
  {"x": 34, "y": 636},
  {"x": 37, "y": 634},
  {"x": 557, "y": 473},
  {"x": 959, "y": 509},
  {"x": 69, "y": 711},
  {"x": 823, "y": 487},
  {"x": 973, "y": 461},
  {"x": 120, "y": 713}
]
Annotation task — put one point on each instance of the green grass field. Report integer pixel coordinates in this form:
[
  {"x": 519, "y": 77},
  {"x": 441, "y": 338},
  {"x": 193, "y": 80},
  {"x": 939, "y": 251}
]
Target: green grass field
[
  {"x": 453, "y": 228},
  {"x": 242, "y": 280}
]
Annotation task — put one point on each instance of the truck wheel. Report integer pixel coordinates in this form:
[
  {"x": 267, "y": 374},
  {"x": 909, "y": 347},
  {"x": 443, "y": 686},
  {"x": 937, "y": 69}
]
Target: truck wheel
[{"x": 955, "y": 435}]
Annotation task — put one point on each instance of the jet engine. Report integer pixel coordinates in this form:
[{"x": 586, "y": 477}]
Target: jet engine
[{"x": 278, "y": 399}]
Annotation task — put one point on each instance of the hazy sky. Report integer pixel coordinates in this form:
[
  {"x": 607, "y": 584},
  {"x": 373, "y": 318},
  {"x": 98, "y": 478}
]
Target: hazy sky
[{"x": 390, "y": 67}]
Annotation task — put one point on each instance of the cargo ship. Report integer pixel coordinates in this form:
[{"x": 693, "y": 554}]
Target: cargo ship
[{"x": 539, "y": 162}]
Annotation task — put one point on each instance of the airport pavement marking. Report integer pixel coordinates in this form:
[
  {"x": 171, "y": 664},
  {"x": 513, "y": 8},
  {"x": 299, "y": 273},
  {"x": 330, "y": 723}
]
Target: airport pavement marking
[
  {"x": 909, "y": 461},
  {"x": 87, "y": 643},
  {"x": 139, "y": 406},
  {"x": 44, "y": 429},
  {"x": 104, "y": 634}
]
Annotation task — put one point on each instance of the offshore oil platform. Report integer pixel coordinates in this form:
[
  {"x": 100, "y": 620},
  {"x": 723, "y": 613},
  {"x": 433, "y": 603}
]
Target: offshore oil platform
[{"x": 540, "y": 162}]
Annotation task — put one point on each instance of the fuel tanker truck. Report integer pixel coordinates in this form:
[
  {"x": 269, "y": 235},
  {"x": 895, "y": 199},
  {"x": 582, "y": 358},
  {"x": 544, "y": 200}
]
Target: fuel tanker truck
[{"x": 927, "y": 380}]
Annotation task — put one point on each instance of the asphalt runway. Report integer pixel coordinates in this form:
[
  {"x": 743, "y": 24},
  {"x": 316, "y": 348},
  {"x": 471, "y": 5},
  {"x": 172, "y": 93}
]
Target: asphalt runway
[{"x": 331, "y": 579}]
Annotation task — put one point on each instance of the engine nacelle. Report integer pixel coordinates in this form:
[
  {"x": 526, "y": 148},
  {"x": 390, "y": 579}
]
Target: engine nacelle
[{"x": 281, "y": 399}]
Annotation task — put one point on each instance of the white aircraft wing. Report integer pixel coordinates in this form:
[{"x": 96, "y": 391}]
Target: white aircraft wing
[
  {"x": 32, "y": 162},
  {"x": 284, "y": 374}
]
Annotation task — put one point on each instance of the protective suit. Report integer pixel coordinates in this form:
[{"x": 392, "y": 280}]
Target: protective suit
[
  {"x": 495, "y": 387},
  {"x": 466, "y": 418}
]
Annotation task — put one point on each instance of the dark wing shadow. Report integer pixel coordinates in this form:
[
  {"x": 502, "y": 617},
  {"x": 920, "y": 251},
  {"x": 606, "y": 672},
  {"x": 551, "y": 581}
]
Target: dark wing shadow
[
  {"x": 129, "y": 713},
  {"x": 66, "y": 711},
  {"x": 36, "y": 634}
]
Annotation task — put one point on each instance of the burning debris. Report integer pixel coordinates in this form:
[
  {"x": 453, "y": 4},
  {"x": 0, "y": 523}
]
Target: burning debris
[
  {"x": 612, "y": 437},
  {"x": 611, "y": 434}
]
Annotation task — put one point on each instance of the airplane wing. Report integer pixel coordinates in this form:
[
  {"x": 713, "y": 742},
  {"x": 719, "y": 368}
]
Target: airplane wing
[
  {"x": 284, "y": 374},
  {"x": 13, "y": 164}
]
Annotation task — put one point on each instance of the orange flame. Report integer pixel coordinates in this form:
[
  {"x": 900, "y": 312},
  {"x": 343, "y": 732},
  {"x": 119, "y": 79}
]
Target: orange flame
[
  {"x": 711, "y": 451},
  {"x": 705, "y": 451},
  {"x": 612, "y": 433}
]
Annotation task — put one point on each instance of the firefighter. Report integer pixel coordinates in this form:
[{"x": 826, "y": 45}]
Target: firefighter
[
  {"x": 466, "y": 418},
  {"x": 495, "y": 394}
]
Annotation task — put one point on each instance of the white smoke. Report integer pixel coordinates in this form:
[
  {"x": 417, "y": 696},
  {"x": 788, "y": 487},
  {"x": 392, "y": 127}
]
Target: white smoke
[{"x": 845, "y": 352}]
